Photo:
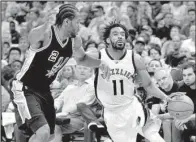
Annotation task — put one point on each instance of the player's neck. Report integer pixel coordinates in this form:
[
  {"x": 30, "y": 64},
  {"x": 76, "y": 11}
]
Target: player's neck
[
  {"x": 116, "y": 54},
  {"x": 62, "y": 33}
]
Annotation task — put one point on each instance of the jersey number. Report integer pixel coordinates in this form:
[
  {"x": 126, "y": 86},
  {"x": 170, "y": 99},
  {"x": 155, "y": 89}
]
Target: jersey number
[
  {"x": 121, "y": 87},
  {"x": 53, "y": 56}
]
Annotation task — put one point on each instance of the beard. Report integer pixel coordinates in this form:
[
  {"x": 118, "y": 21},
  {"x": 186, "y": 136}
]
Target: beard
[
  {"x": 118, "y": 45},
  {"x": 73, "y": 34}
]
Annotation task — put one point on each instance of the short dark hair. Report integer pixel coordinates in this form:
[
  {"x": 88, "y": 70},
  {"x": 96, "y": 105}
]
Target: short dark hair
[
  {"x": 12, "y": 22},
  {"x": 90, "y": 42},
  {"x": 18, "y": 61},
  {"x": 189, "y": 10},
  {"x": 14, "y": 48},
  {"x": 176, "y": 26},
  {"x": 5, "y": 42},
  {"x": 155, "y": 47},
  {"x": 189, "y": 65},
  {"x": 112, "y": 25},
  {"x": 65, "y": 11}
]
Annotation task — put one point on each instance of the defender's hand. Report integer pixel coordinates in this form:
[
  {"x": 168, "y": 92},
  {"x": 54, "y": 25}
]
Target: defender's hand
[{"x": 106, "y": 70}]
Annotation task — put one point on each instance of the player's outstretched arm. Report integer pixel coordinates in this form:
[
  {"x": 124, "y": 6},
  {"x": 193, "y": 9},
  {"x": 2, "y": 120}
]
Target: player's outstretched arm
[
  {"x": 146, "y": 80},
  {"x": 85, "y": 59}
]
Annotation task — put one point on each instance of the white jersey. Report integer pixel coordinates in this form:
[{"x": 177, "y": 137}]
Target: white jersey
[{"x": 119, "y": 90}]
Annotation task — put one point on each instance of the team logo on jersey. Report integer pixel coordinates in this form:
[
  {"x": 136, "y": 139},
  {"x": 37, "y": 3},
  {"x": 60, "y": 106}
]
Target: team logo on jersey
[
  {"x": 57, "y": 66},
  {"x": 53, "y": 56},
  {"x": 122, "y": 72}
]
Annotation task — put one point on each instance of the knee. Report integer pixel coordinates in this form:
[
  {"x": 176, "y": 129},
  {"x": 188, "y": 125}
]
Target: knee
[{"x": 43, "y": 133}]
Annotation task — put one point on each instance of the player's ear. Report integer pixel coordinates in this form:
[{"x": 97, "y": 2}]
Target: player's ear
[
  {"x": 108, "y": 40},
  {"x": 66, "y": 21}
]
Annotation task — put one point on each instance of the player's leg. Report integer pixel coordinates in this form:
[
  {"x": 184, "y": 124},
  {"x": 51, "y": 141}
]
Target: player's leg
[
  {"x": 57, "y": 134},
  {"x": 151, "y": 130},
  {"x": 37, "y": 126},
  {"x": 41, "y": 135},
  {"x": 76, "y": 123}
]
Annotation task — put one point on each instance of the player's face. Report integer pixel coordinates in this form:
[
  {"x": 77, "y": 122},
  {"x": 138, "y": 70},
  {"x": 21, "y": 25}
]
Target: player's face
[
  {"x": 117, "y": 38},
  {"x": 74, "y": 25},
  {"x": 163, "y": 79},
  {"x": 82, "y": 72},
  {"x": 188, "y": 76}
]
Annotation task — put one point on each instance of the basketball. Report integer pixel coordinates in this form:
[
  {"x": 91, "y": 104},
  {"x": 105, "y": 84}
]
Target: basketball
[{"x": 181, "y": 107}]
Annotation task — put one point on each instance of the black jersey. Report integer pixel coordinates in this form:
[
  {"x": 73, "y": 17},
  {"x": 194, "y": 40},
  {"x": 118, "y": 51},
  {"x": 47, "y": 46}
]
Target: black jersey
[{"x": 42, "y": 65}]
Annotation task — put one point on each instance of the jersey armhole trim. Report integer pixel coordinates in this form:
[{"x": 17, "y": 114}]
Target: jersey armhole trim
[
  {"x": 44, "y": 47},
  {"x": 133, "y": 60}
]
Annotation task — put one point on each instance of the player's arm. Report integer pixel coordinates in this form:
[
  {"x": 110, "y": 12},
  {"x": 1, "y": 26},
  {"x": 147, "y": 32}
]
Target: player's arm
[
  {"x": 82, "y": 57},
  {"x": 146, "y": 80},
  {"x": 41, "y": 33},
  {"x": 38, "y": 35}
]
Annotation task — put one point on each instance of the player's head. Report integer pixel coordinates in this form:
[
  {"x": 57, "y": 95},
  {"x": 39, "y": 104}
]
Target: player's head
[
  {"x": 115, "y": 35},
  {"x": 68, "y": 18}
]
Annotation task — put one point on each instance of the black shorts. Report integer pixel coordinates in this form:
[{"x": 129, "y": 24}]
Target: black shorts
[{"x": 41, "y": 109}]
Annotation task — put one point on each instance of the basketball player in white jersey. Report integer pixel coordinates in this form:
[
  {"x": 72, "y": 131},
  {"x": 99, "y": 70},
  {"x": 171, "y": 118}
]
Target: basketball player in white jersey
[
  {"x": 50, "y": 49},
  {"x": 123, "y": 113}
]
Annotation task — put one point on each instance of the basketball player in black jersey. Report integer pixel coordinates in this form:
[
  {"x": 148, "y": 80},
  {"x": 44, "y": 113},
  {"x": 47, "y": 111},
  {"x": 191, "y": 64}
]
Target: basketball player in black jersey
[{"x": 51, "y": 48}]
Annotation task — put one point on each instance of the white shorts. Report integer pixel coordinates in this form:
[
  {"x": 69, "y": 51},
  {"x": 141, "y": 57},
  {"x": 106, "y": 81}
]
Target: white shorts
[{"x": 125, "y": 123}]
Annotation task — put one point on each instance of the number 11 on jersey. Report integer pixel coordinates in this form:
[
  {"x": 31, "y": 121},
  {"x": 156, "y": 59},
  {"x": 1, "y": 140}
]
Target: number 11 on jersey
[{"x": 115, "y": 86}]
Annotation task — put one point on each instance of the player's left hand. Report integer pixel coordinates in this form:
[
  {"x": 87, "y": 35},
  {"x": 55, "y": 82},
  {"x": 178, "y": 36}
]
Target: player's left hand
[
  {"x": 172, "y": 95},
  {"x": 106, "y": 70},
  {"x": 180, "y": 124}
]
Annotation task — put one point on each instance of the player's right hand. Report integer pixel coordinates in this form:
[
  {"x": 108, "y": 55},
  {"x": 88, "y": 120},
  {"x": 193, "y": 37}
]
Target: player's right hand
[{"x": 106, "y": 70}]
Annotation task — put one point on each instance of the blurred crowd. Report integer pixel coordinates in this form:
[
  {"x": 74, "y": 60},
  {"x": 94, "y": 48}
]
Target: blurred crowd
[{"x": 163, "y": 33}]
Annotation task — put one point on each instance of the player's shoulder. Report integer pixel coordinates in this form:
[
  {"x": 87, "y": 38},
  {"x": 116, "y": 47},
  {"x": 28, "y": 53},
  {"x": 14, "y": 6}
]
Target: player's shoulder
[{"x": 39, "y": 33}]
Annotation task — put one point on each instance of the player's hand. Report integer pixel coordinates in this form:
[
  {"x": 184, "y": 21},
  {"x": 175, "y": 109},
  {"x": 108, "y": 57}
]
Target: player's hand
[
  {"x": 180, "y": 124},
  {"x": 106, "y": 70}
]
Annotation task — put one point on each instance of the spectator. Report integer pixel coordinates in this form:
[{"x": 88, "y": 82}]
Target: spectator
[
  {"x": 14, "y": 54},
  {"x": 168, "y": 86},
  {"x": 82, "y": 92},
  {"x": 175, "y": 31},
  {"x": 132, "y": 13},
  {"x": 90, "y": 45},
  {"x": 189, "y": 87},
  {"x": 14, "y": 34},
  {"x": 186, "y": 28},
  {"x": 190, "y": 43},
  {"x": 152, "y": 39},
  {"x": 152, "y": 67},
  {"x": 168, "y": 19},
  {"x": 35, "y": 20},
  {"x": 165, "y": 8},
  {"x": 5, "y": 50},
  {"x": 156, "y": 8},
  {"x": 139, "y": 45},
  {"x": 155, "y": 51},
  {"x": 16, "y": 65},
  {"x": 179, "y": 10},
  {"x": 23, "y": 46}
]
